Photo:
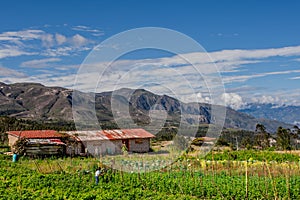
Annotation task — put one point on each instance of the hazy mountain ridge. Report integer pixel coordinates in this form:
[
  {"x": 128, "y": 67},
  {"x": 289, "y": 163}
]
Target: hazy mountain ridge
[
  {"x": 38, "y": 102},
  {"x": 286, "y": 113}
]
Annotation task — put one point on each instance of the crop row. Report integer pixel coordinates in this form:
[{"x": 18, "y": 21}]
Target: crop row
[{"x": 19, "y": 181}]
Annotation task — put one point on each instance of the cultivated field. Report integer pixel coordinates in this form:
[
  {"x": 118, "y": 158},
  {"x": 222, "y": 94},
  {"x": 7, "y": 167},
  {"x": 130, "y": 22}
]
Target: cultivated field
[{"x": 223, "y": 175}]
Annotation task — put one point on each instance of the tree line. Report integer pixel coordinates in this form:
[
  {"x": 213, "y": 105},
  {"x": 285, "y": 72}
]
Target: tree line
[
  {"x": 260, "y": 138},
  {"x": 283, "y": 139}
]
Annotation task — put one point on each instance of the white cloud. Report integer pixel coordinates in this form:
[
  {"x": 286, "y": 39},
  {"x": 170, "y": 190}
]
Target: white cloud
[
  {"x": 151, "y": 70},
  {"x": 94, "y": 32},
  {"x": 203, "y": 99},
  {"x": 47, "y": 79},
  {"x": 12, "y": 51},
  {"x": 24, "y": 35},
  {"x": 279, "y": 97},
  {"x": 243, "y": 78},
  {"x": 264, "y": 99},
  {"x": 33, "y": 41},
  {"x": 5, "y": 73},
  {"x": 67, "y": 67},
  {"x": 295, "y": 78},
  {"x": 41, "y": 63},
  {"x": 59, "y": 51},
  {"x": 64, "y": 51},
  {"x": 233, "y": 100},
  {"x": 255, "y": 54},
  {"x": 225, "y": 60},
  {"x": 47, "y": 40},
  {"x": 79, "y": 40},
  {"x": 60, "y": 39}
]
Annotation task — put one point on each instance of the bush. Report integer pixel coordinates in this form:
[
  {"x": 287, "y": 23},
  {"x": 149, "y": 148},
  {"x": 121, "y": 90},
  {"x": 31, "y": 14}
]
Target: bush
[{"x": 19, "y": 146}]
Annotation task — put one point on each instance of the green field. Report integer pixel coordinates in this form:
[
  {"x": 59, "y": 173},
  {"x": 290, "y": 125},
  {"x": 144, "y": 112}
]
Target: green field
[{"x": 188, "y": 178}]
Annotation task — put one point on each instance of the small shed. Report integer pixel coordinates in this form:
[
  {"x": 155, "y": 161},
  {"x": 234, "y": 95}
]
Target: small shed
[
  {"x": 136, "y": 140},
  {"x": 44, "y": 147},
  {"x": 39, "y": 142},
  {"x": 94, "y": 143},
  {"x": 110, "y": 141}
]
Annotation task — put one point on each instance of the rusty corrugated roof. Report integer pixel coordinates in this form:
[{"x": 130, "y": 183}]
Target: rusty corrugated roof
[
  {"x": 87, "y": 135},
  {"x": 126, "y": 134},
  {"x": 42, "y": 134},
  {"x": 117, "y": 134}
]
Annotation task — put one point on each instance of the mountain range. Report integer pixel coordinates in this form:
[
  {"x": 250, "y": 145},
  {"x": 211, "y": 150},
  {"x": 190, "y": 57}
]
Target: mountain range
[
  {"x": 37, "y": 102},
  {"x": 286, "y": 113}
]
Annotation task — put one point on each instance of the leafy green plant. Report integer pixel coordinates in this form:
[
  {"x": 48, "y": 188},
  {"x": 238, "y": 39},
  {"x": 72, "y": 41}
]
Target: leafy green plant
[{"x": 189, "y": 178}]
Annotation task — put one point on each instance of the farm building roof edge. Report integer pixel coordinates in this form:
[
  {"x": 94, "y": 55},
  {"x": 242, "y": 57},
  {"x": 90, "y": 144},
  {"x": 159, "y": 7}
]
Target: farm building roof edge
[
  {"x": 116, "y": 134},
  {"x": 36, "y": 134}
]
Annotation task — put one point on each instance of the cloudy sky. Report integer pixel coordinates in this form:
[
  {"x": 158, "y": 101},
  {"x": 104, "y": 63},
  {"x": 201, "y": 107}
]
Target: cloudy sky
[{"x": 255, "y": 46}]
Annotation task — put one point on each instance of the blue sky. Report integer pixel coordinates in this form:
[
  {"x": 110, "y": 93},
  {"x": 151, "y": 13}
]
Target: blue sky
[{"x": 256, "y": 44}]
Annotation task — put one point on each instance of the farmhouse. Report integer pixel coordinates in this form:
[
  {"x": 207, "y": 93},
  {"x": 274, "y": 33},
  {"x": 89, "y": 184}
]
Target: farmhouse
[
  {"x": 111, "y": 141},
  {"x": 38, "y": 142},
  {"x": 105, "y": 142}
]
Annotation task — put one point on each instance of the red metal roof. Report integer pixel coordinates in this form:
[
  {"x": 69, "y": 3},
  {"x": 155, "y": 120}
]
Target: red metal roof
[
  {"x": 36, "y": 134},
  {"x": 126, "y": 134}
]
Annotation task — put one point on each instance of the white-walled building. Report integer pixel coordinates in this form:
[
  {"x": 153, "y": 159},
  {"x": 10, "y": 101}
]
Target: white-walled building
[{"x": 111, "y": 141}]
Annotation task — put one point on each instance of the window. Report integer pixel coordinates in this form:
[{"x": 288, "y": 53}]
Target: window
[{"x": 139, "y": 141}]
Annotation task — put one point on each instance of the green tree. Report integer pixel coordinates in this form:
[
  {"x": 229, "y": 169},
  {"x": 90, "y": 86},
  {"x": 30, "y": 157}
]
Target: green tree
[
  {"x": 284, "y": 137},
  {"x": 262, "y": 136},
  {"x": 295, "y": 137},
  {"x": 246, "y": 142}
]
